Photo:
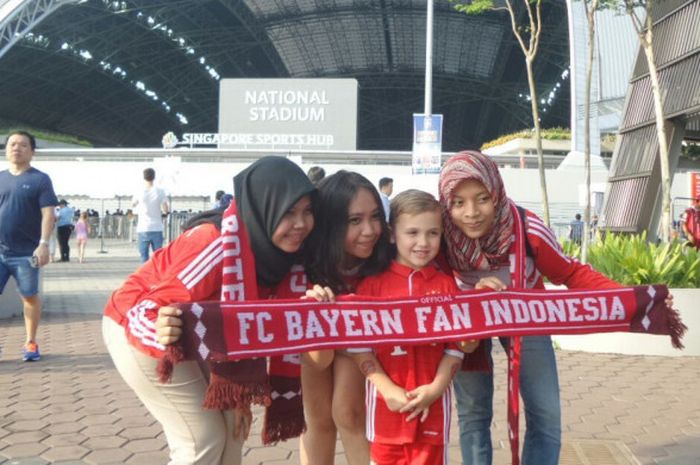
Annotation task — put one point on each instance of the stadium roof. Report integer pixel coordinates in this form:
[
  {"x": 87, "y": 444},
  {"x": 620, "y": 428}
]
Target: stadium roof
[{"x": 122, "y": 73}]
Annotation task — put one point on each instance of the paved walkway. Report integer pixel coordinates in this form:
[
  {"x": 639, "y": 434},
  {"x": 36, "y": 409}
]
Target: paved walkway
[{"x": 72, "y": 407}]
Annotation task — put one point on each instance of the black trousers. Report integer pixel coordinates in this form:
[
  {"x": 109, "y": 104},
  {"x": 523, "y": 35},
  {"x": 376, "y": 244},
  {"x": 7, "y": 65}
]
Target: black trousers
[{"x": 64, "y": 233}]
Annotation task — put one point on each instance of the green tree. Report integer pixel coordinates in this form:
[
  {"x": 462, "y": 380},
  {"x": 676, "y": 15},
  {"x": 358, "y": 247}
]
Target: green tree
[
  {"x": 590, "y": 7},
  {"x": 527, "y": 29}
]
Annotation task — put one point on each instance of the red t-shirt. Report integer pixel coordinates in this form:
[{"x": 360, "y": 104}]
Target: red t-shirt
[
  {"x": 692, "y": 222},
  {"x": 409, "y": 366}
]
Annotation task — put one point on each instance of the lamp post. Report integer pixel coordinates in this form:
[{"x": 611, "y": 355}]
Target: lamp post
[{"x": 428, "y": 101}]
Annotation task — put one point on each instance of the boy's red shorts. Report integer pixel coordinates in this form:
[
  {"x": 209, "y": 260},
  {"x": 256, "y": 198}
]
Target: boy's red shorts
[{"x": 407, "y": 454}]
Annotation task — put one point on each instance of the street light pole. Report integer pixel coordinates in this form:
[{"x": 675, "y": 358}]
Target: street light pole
[{"x": 428, "y": 105}]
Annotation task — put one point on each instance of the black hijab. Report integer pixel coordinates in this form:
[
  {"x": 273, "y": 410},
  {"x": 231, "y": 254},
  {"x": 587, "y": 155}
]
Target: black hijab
[{"x": 263, "y": 193}]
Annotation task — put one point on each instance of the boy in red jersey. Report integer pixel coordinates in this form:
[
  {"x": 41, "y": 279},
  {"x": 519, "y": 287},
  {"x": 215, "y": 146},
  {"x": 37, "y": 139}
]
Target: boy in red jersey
[{"x": 408, "y": 387}]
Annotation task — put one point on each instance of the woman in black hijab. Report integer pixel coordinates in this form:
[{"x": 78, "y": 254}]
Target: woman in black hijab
[{"x": 273, "y": 198}]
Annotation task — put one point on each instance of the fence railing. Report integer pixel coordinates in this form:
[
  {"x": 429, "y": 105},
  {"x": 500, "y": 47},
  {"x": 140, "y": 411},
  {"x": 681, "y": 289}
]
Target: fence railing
[{"x": 123, "y": 227}]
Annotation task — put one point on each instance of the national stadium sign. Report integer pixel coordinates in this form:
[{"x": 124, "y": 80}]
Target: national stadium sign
[{"x": 318, "y": 114}]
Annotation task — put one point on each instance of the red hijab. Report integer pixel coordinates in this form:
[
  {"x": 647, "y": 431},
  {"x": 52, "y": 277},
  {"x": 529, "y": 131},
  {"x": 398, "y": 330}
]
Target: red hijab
[{"x": 491, "y": 250}]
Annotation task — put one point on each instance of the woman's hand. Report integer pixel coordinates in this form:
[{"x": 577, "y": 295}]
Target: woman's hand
[
  {"x": 490, "y": 282},
  {"x": 168, "y": 325},
  {"x": 243, "y": 419},
  {"x": 320, "y": 293}
]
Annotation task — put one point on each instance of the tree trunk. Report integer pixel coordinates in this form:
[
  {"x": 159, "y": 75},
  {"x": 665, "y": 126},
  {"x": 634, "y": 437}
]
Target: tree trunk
[
  {"x": 647, "y": 45},
  {"x": 590, "y": 16},
  {"x": 538, "y": 139}
]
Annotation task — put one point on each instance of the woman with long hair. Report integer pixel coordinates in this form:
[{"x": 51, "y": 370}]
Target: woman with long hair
[{"x": 350, "y": 241}]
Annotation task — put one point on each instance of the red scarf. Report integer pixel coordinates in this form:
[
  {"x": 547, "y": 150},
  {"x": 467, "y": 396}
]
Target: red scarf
[
  {"x": 289, "y": 326},
  {"x": 517, "y": 275},
  {"x": 504, "y": 244},
  {"x": 237, "y": 383},
  {"x": 235, "y": 330}
]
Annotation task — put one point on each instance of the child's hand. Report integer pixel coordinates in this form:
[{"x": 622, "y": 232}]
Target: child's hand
[
  {"x": 320, "y": 293},
  {"x": 395, "y": 398},
  {"x": 420, "y": 400},
  {"x": 468, "y": 346}
]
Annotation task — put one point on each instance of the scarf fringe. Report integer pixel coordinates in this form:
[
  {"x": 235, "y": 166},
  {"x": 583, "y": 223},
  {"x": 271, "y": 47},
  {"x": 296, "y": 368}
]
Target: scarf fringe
[
  {"x": 224, "y": 394},
  {"x": 280, "y": 429},
  {"x": 676, "y": 328},
  {"x": 174, "y": 354},
  {"x": 284, "y": 418},
  {"x": 477, "y": 360}
]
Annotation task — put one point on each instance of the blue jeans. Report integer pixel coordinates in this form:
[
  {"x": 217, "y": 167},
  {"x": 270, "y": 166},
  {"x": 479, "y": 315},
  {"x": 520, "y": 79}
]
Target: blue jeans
[
  {"x": 152, "y": 239},
  {"x": 539, "y": 389},
  {"x": 25, "y": 274}
]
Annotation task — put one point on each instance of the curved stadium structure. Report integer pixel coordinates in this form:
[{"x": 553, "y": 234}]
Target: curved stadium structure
[{"x": 122, "y": 73}]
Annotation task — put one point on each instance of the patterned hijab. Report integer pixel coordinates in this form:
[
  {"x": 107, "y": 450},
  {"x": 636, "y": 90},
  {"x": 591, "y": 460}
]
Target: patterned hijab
[{"x": 487, "y": 252}]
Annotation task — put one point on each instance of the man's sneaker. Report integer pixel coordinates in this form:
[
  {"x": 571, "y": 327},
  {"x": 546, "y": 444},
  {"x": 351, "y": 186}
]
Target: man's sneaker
[{"x": 30, "y": 352}]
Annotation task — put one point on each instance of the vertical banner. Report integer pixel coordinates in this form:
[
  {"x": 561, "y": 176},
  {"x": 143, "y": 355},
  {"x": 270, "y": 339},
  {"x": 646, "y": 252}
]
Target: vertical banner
[
  {"x": 694, "y": 177},
  {"x": 427, "y": 143}
]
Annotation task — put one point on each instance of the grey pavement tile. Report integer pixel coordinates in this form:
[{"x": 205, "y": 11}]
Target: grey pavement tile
[
  {"x": 104, "y": 442},
  {"x": 26, "y": 461},
  {"x": 135, "y": 422},
  {"x": 90, "y": 408},
  {"x": 126, "y": 401},
  {"x": 132, "y": 410},
  {"x": 31, "y": 449},
  {"x": 101, "y": 430},
  {"x": 27, "y": 425},
  {"x": 19, "y": 415},
  {"x": 25, "y": 437},
  {"x": 145, "y": 445},
  {"x": 146, "y": 432},
  {"x": 69, "y": 452},
  {"x": 148, "y": 458},
  {"x": 64, "y": 427},
  {"x": 692, "y": 429},
  {"x": 262, "y": 454},
  {"x": 107, "y": 456},
  {"x": 99, "y": 419},
  {"x": 66, "y": 400},
  {"x": 66, "y": 439},
  {"x": 65, "y": 417}
]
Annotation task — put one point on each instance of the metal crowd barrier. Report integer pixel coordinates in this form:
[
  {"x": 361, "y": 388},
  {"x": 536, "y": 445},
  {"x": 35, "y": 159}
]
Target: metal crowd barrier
[{"x": 122, "y": 227}]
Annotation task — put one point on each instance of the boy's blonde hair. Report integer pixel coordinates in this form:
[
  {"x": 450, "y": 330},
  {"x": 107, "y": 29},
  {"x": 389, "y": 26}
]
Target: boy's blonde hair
[{"x": 412, "y": 202}]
